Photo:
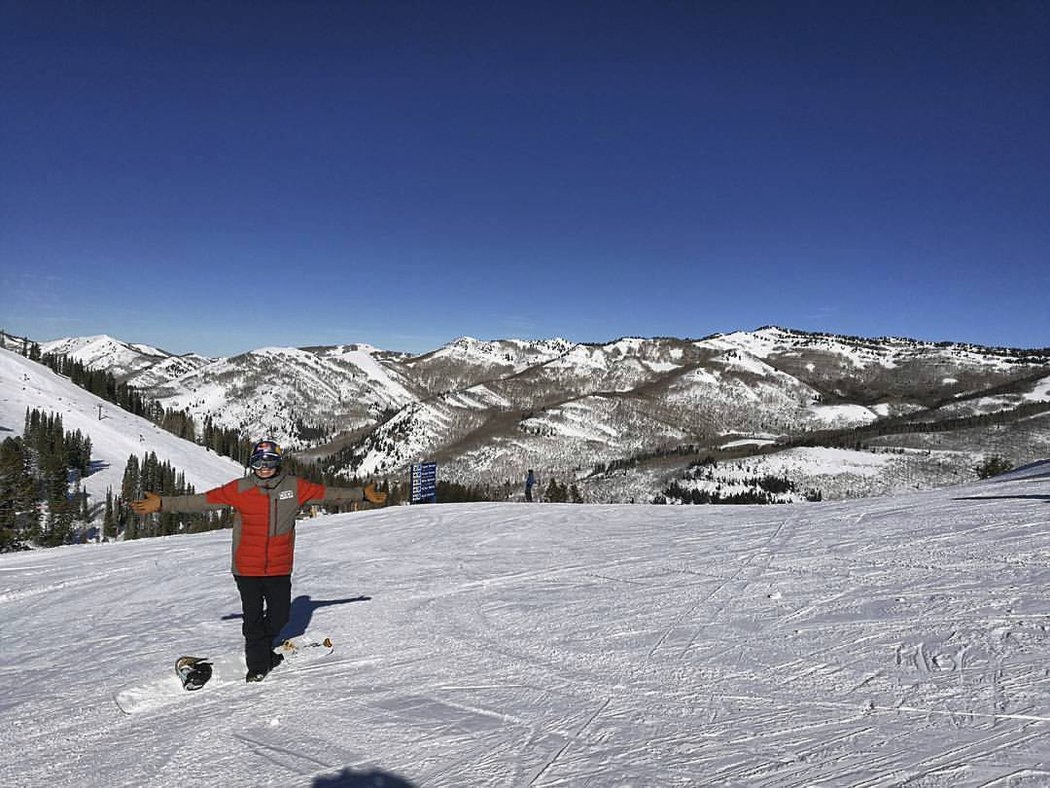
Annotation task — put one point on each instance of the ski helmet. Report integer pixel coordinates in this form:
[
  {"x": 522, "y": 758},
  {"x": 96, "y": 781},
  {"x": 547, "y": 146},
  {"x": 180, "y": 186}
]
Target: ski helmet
[{"x": 265, "y": 454}]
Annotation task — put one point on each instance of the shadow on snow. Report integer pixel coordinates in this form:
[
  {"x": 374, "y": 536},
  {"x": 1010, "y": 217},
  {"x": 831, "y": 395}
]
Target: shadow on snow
[
  {"x": 301, "y": 613},
  {"x": 374, "y": 778}
]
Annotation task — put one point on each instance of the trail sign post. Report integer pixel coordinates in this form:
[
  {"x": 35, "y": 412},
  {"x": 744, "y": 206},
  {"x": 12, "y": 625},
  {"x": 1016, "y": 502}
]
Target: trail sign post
[{"x": 424, "y": 482}]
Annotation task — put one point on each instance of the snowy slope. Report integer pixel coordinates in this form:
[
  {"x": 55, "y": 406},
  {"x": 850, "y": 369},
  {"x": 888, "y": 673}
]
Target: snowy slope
[
  {"x": 265, "y": 392},
  {"x": 879, "y": 642},
  {"x": 114, "y": 437},
  {"x": 489, "y": 410},
  {"x": 506, "y": 355},
  {"x": 120, "y": 358}
]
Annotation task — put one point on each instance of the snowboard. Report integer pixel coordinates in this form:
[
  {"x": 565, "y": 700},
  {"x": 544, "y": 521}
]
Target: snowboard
[{"x": 193, "y": 674}]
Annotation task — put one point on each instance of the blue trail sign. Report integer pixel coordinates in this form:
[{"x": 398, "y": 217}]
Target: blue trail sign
[{"x": 424, "y": 482}]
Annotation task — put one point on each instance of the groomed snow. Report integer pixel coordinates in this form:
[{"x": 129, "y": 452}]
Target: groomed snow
[
  {"x": 115, "y": 434},
  {"x": 878, "y": 642}
]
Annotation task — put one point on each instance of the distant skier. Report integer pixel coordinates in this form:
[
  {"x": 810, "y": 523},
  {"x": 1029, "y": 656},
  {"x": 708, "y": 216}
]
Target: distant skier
[
  {"x": 263, "y": 541},
  {"x": 530, "y": 481}
]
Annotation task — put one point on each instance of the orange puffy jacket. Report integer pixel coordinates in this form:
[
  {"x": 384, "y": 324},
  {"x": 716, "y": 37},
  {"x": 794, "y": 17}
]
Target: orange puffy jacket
[{"x": 264, "y": 526}]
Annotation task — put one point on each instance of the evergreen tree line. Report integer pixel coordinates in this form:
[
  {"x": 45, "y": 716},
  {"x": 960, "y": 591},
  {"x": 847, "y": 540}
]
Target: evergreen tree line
[
  {"x": 148, "y": 474},
  {"x": 855, "y": 438},
  {"x": 42, "y": 502},
  {"x": 765, "y": 489},
  {"x": 561, "y": 493},
  {"x": 844, "y": 438},
  {"x": 21, "y": 345},
  {"x": 103, "y": 384},
  {"x": 625, "y": 463},
  {"x": 993, "y": 466},
  {"x": 454, "y": 492},
  {"x": 36, "y": 506}
]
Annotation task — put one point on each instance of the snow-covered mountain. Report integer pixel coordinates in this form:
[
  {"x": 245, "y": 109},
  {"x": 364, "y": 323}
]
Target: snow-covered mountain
[
  {"x": 115, "y": 434},
  {"x": 466, "y": 361},
  {"x": 489, "y": 410},
  {"x": 882, "y": 642},
  {"x": 148, "y": 365},
  {"x": 287, "y": 393}
]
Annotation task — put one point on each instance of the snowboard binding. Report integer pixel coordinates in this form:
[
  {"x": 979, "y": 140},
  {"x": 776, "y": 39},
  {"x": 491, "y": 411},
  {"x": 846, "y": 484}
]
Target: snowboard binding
[{"x": 193, "y": 672}]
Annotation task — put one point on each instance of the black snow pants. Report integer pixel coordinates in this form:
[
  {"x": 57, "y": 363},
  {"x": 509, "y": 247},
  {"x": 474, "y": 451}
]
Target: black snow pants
[{"x": 265, "y": 602}]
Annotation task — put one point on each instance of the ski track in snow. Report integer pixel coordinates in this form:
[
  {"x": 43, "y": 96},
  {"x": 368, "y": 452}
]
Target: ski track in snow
[{"x": 865, "y": 643}]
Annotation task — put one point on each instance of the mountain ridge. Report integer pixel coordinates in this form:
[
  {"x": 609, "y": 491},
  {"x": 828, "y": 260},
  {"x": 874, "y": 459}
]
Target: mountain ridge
[{"x": 489, "y": 409}]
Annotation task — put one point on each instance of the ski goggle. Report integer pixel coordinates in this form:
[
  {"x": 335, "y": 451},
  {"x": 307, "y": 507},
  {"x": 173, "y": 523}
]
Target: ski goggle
[{"x": 265, "y": 459}]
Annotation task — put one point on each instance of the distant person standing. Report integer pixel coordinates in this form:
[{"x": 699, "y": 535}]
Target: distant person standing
[
  {"x": 530, "y": 481},
  {"x": 263, "y": 541}
]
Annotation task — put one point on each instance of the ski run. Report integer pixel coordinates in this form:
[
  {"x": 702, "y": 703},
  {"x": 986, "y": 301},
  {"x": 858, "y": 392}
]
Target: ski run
[{"x": 878, "y": 642}]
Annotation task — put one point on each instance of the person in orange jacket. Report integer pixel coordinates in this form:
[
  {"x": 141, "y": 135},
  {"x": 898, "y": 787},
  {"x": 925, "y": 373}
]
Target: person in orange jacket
[{"x": 266, "y": 505}]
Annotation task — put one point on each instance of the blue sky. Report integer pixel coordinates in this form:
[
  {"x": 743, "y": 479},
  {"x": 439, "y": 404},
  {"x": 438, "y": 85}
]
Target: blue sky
[{"x": 219, "y": 176}]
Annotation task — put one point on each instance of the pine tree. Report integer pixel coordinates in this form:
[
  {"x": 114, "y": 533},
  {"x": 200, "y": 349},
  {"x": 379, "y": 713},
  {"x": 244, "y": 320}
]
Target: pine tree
[
  {"x": 131, "y": 484},
  {"x": 556, "y": 493},
  {"x": 129, "y": 520},
  {"x": 574, "y": 494},
  {"x": 993, "y": 466},
  {"x": 130, "y": 488},
  {"x": 109, "y": 521},
  {"x": 18, "y": 499}
]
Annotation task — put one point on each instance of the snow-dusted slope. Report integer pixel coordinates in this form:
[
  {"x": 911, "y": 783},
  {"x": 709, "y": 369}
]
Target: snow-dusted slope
[
  {"x": 466, "y": 362},
  {"x": 115, "y": 434},
  {"x": 489, "y": 410},
  {"x": 891, "y": 641},
  {"x": 120, "y": 358},
  {"x": 270, "y": 391}
]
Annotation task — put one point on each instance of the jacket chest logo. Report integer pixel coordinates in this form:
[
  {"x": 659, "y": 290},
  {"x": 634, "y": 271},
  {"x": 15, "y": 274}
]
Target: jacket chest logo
[{"x": 286, "y": 494}]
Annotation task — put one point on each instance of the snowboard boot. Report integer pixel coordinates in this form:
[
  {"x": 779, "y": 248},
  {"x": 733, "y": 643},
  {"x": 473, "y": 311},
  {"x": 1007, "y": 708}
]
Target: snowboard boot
[{"x": 259, "y": 675}]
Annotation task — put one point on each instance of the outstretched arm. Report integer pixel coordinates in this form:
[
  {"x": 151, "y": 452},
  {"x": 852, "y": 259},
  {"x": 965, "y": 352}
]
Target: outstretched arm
[
  {"x": 174, "y": 503},
  {"x": 346, "y": 494}
]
